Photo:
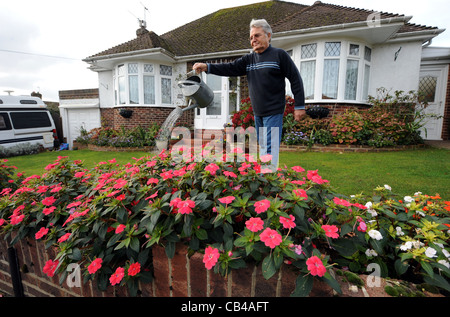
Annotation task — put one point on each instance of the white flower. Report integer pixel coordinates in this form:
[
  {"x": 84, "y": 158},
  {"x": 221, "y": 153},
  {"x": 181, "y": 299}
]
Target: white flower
[
  {"x": 417, "y": 193},
  {"x": 420, "y": 213},
  {"x": 371, "y": 253},
  {"x": 406, "y": 246},
  {"x": 375, "y": 234},
  {"x": 408, "y": 199},
  {"x": 399, "y": 231},
  {"x": 417, "y": 244},
  {"x": 430, "y": 252},
  {"x": 387, "y": 187},
  {"x": 370, "y": 209},
  {"x": 446, "y": 253},
  {"x": 445, "y": 263}
]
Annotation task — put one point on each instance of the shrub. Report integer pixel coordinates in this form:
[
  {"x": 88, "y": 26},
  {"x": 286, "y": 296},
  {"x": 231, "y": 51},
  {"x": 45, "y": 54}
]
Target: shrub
[
  {"x": 107, "y": 219},
  {"x": 134, "y": 137},
  {"x": 20, "y": 149}
]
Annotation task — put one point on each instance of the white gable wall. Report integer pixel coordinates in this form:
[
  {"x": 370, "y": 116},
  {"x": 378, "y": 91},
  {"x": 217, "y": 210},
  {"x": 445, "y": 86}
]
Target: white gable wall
[{"x": 400, "y": 74}]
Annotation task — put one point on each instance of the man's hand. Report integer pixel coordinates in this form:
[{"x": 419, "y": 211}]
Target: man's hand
[
  {"x": 200, "y": 67},
  {"x": 299, "y": 115}
]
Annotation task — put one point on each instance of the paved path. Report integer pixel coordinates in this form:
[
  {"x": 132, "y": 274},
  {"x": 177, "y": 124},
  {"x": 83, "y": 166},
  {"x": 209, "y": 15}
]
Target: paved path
[{"x": 439, "y": 144}]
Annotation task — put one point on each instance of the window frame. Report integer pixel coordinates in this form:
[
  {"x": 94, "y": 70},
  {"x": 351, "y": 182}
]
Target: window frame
[
  {"x": 363, "y": 78},
  {"x": 122, "y": 95}
]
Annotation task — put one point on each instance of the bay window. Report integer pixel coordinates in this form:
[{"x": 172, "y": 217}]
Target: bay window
[
  {"x": 143, "y": 84},
  {"x": 335, "y": 71}
]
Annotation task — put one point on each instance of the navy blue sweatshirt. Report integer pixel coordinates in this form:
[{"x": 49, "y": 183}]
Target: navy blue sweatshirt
[{"x": 266, "y": 73}]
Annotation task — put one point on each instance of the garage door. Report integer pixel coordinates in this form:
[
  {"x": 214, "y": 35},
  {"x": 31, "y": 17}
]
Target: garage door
[{"x": 82, "y": 118}]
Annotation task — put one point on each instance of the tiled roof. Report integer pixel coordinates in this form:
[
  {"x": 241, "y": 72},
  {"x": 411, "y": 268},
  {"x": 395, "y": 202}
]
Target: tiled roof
[{"x": 228, "y": 29}]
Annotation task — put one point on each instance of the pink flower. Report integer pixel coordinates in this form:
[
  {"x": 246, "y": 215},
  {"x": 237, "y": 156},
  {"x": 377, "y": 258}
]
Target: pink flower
[
  {"x": 50, "y": 267},
  {"x": 227, "y": 200},
  {"x": 262, "y": 206},
  {"x": 16, "y": 218},
  {"x": 95, "y": 265},
  {"x": 212, "y": 168},
  {"x": 134, "y": 269},
  {"x": 2, "y": 221},
  {"x": 120, "y": 228},
  {"x": 360, "y": 206},
  {"x": 174, "y": 203},
  {"x": 185, "y": 207},
  {"x": 341, "y": 202},
  {"x": 254, "y": 224},
  {"x": 331, "y": 231},
  {"x": 117, "y": 277},
  {"x": 79, "y": 174},
  {"x": 64, "y": 237},
  {"x": 316, "y": 178},
  {"x": 42, "y": 232},
  {"x": 152, "y": 181},
  {"x": 266, "y": 158},
  {"x": 211, "y": 257},
  {"x": 271, "y": 238},
  {"x": 362, "y": 226},
  {"x": 229, "y": 174},
  {"x": 315, "y": 266},
  {"x": 288, "y": 223},
  {"x": 49, "y": 210},
  {"x": 300, "y": 193},
  {"x": 48, "y": 201},
  {"x": 298, "y": 169}
]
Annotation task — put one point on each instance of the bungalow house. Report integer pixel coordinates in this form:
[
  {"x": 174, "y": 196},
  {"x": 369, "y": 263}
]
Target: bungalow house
[{"x": 344, "y": 54}]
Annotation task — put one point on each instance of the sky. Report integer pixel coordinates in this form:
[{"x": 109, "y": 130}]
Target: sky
[{"x": 42, "y": 43}]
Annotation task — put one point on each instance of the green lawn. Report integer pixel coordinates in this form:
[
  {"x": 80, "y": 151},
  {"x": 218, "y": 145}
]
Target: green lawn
[{"x": 406, "y": 172}]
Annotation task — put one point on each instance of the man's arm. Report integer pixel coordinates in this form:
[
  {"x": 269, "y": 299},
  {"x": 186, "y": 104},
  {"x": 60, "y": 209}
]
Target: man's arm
[
  {"x": 293, "y": 75},
  {"x": 233, "y": 69}
]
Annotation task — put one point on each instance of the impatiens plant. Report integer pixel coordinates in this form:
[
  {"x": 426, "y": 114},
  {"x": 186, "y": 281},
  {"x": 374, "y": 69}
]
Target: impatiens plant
[{"x": 107, "y": 219}]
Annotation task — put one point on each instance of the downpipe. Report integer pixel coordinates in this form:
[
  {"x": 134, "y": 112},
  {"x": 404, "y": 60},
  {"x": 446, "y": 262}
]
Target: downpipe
[{"x": 15, "y": 272}]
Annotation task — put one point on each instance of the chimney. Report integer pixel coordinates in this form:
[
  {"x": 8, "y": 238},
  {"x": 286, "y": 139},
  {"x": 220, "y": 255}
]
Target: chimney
[{"x": 142, "y": 28}]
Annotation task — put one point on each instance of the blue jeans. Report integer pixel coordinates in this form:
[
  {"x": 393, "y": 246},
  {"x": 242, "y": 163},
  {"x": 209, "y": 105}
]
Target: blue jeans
[{"x": 269, "y": 130}]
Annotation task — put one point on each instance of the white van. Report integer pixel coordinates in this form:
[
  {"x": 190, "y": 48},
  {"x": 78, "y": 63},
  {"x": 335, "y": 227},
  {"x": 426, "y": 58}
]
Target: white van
[{"x": 25, "y": 119}]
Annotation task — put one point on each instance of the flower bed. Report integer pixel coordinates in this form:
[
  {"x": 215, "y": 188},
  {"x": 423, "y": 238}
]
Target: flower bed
[{"x": 107, "y": 221}]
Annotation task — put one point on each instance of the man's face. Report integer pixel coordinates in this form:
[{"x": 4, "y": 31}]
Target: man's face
[{"x": 259, "y": 40}]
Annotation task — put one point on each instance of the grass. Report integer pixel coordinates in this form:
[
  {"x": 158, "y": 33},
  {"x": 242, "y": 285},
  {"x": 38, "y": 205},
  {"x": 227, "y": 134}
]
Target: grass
[{"x": 407, "y": 172}]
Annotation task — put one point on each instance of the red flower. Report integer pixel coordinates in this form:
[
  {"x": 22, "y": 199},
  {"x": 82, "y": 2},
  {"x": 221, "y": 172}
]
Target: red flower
[
  {"x": 271, "y": 238},
  {"x": 288, "y": 223},
  {"x": 117, "y": 277},
  {"x": 134, "y": 269},
  {"x": 48, "y": 201},
  {"x": 212, "y": 168},
  {"x": 120, "y": 228},
  {"x": 315, "y": 266},
  {"x": 95, "y": 265},
  {"x": 300, "y": 193},
  {"x": 16, "y": 218},
  {"x": 262, "y": 206},
  {"x": 64, "y": 237},
  {"x": 121, "y": 197},
  {"x": 50, "y": 267},
  {"x": 331, "y": 231},
  {"x": 211, "y": 257},
  {"x": 42, "y": 232},
  {"x": 254, "y": 224}
]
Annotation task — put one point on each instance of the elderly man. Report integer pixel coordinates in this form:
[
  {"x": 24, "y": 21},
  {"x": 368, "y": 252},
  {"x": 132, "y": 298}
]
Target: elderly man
[{"x": 266, "y": 69}]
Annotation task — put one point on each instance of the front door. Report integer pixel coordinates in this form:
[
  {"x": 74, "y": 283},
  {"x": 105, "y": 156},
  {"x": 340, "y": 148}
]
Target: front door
[
  {"x": 433, "y": 81},
  {"x": 226, "y": 97}
]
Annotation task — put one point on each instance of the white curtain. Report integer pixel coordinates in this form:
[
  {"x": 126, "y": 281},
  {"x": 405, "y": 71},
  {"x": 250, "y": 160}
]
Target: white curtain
[
  {"x": 351, "y": 80},
  {"x": 134, "y": 89},
  {"x": 149, "y": 90},
  {"x": 166, "y": 90},
  {"x": 308, "y": 73},
  {"x": 330, "y": 79}
]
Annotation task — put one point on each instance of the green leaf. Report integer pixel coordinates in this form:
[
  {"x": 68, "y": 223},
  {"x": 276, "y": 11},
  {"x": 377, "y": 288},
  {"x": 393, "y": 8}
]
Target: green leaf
[
  {"x": 400, "y": 267},
  {"x": 134, "y": 244},
  {"x": 268, "y": 267},
  {"x": 303, "y": 285},
  {"x": 330, "y": 280},
  {"x": 427, "y": 267}
]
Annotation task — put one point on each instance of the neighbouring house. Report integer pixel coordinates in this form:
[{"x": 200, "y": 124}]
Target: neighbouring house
[{"x": 344, "y": 54}]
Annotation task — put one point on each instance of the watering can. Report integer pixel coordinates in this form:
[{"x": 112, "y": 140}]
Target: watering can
[{"x": 195, "y": 89}]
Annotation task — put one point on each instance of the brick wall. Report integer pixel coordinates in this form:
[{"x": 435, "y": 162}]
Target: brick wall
[
  {"x": 181, "y": 276},
  {"x": 79, "y": 94},
  {"x": 142, "y": 116}
]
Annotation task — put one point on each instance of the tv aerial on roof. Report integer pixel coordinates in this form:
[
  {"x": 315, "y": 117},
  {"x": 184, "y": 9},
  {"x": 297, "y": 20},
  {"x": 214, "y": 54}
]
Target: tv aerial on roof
[{"x": 142, "y": 23}]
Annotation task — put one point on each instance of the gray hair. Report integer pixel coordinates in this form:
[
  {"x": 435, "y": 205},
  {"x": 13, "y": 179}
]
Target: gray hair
[{"x": 261, "y": 23}]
